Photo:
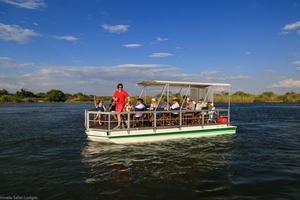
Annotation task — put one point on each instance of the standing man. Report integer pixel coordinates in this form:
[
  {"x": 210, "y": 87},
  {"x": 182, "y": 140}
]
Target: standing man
[{"x": 119, "y": 97}]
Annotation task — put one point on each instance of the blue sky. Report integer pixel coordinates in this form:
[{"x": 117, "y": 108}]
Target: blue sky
[{"x": 90, "y": 46}]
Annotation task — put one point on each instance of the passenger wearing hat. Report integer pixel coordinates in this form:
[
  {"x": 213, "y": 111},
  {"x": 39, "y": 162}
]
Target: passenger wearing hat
[
  {"x": 153, "y": 105},
  {"x": 200, "y": 105},
  {"x": 191, "y": 104},
  {"x": 175, "y": 105}
]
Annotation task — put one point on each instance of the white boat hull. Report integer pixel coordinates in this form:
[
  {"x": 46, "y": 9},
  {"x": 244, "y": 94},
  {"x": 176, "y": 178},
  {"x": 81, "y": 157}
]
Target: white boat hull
[{"x": 151, "y": 135}]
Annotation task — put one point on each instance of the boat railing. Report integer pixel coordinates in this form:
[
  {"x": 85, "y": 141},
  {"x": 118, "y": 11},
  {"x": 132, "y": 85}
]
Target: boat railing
[{"x": 142, "y": 120}]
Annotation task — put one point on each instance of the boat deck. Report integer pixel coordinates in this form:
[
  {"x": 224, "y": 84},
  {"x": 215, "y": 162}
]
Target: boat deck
[{"x": 154, "y": 126}]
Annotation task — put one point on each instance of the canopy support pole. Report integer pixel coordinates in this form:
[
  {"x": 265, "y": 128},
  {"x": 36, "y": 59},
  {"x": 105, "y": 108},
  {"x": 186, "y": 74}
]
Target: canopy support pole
[
  {"x": 145, "y": 96},
  {"x": 162, "y": 93},
  {"x": 185, "y": 96},
  {"x": 168, "y": 93},
  {"x": 142, "y": 92}
]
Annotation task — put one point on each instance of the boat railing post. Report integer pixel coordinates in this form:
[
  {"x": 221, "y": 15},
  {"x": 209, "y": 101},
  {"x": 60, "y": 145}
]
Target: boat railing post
[
  {"x": 109, "y": 121},
  {"x": 154, "y": 118},
  {"x": 128, "y": 123},
  {"x": 180, "y": 119},
  {"x": 85, "y": 125},
  {"x": 202, "y": 113},
  {"x": 88, "y": 120}
]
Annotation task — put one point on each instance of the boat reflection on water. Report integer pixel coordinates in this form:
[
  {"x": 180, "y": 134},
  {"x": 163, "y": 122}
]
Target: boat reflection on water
[{"x": 187, "y": 165}]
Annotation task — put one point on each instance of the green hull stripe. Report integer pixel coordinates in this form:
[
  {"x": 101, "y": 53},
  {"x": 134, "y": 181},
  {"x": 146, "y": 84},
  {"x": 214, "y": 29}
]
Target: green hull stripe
[{"x": 225, "y": 130}]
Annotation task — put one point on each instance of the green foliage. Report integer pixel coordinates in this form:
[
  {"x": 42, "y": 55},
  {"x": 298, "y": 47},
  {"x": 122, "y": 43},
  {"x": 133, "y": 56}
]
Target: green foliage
[
  {"x": 24, "y": 93},
  {"x": 242, "y": 97},
  {"x": 8, "y": 99},
  {"x": 4, "y": 92},
  {"x": 267, "y": 97},
  {"x": 41, "y": 95},
  {"x": 241, "y": 94},
  {"x": 79, "y": 97},
  {"x": 291, "y": 97},
  {"x": 55, "y": 96}
]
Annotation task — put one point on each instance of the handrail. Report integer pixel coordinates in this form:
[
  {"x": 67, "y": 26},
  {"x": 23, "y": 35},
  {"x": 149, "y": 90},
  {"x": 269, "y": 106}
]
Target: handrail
[
  {"x": 153, "y": 119},
  {"x": 150, "y": 111}
]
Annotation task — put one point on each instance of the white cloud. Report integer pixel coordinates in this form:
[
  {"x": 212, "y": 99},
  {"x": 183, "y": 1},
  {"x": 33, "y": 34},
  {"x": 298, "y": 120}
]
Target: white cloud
[
  {"x": 8, "y": 62},
  {"x": 121, "y": 28},
  {"x": 297, "y": 63},
  {"x": 228, "y": 78},
  {"x": 103, "y": 79},
  {"x": 96, "y": 78},
  {"x": 161, "y": 55},
  {"x": 69, "y": 38},
  {"x": 292, "y": 26},
  {"x": 132, "y": 45},
  {"x": 248, "y": 53},
  {"x": 208, "y": 72},
  {"x": 160, "y": 39},
  {"x": 27, "y": 4},
  {"x": 287, "y": 83},
  {"x": 15, "y": 33}
]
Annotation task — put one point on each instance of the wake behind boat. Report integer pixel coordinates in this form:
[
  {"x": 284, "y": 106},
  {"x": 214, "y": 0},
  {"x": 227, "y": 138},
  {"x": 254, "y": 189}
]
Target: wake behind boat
[{"x": 195, "y": 117}]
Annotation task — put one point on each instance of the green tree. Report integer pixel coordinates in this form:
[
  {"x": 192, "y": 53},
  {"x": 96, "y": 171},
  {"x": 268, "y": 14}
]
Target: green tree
[
  {"x": 41, "y": 95},
  {"x": 291, "y": 97},
  {"x": 267, "y": 97},
  {"x": 3, "y": 92},
  {"x": 55, "y": 96},
  {"x": 242, "y": 94},
  {"x": 79, "y": 97},
  {"x": 24, "y": 93},
  {"x": 8, "y": 99}
]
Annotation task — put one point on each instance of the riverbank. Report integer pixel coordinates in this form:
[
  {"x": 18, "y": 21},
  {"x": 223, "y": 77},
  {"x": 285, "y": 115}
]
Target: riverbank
[{"x": 54, "y": 95}]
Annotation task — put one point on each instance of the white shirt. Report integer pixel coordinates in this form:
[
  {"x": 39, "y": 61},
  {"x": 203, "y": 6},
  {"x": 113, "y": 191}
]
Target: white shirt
[
  {"x": 140, "y": 106},
  {"x": 200, "y": 105},
  {"x": 175, "y": 105}
]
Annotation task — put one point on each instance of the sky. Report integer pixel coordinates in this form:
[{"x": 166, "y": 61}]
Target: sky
[{"x": 90, "y": 46}]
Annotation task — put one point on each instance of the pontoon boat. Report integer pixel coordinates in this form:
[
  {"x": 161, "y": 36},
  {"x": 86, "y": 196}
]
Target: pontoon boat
[{"x": 163, "y": 123}]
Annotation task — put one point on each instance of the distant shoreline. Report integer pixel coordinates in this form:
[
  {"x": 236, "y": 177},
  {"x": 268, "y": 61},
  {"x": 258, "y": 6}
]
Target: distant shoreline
[{"x": 54, "y": 95}]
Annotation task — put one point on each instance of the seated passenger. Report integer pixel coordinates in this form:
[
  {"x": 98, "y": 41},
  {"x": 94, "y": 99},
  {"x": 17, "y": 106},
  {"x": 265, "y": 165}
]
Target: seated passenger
[
  {"x": 200, "y": 105},
  {"x": 139, "y": 107},
  {"x": 211, "y": 111},
  {"x": 191, "y": 104},
  {"x": 100, "y": 107},
  {"x": 128, "y": 107},
  {"x": 175, "y": 105},
  {"x": 112, "y": 106},
  {"x": 165, "y": 105},
  {"x": 153, "y": 105}
]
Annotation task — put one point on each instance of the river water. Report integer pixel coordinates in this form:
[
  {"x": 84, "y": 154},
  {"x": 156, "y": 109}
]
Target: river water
[{"x": 44, "y": 154}]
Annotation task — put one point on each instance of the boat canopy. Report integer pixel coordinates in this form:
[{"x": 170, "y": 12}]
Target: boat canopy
[{"x": 181, "y": 84}]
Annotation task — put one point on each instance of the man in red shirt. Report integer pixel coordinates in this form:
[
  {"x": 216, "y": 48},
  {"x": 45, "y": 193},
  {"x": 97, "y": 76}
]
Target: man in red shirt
[{"x": 120, "y": 96}]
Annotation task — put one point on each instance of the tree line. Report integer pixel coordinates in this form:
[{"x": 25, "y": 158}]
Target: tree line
[
  {"x": 264, "y": 97},
  {"x": 53, "y": 95},
  {"x": 56, "y": 95}
]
